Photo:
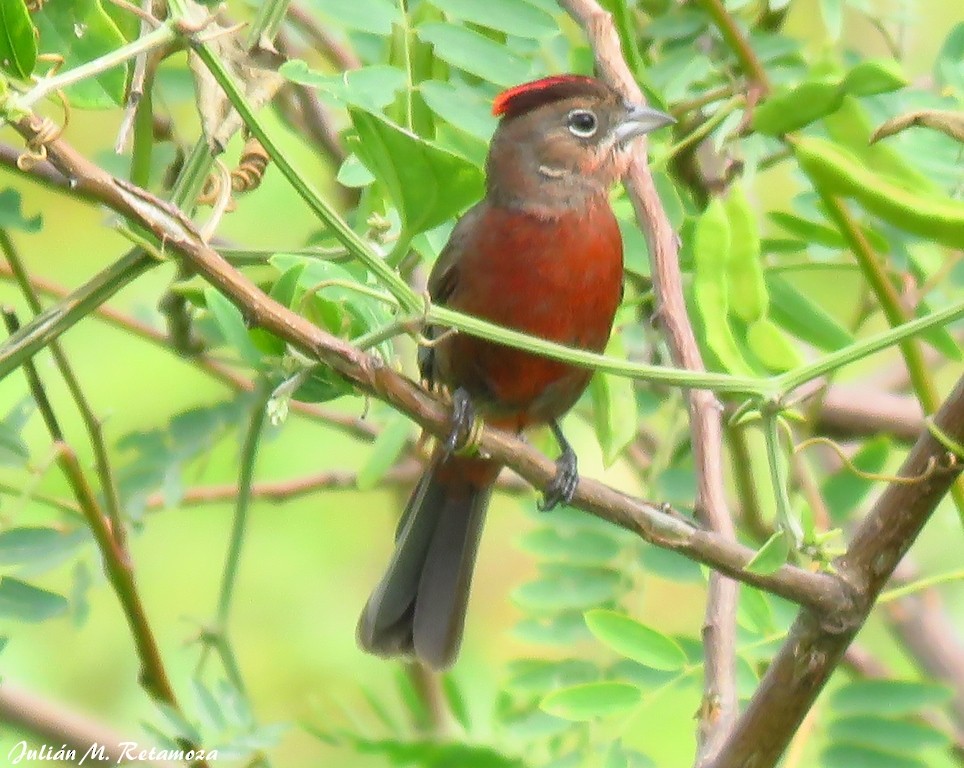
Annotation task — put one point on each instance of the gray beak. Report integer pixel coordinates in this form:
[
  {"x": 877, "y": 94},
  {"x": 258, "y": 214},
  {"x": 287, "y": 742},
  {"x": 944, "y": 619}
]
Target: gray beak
[{"x": 639, "y": 121}]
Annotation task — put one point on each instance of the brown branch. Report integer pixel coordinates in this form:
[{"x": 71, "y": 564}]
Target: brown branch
[
  {"x": 818, "y": 639},
  {"x": 300, "y": 103},
  {"x": 370, "y": 376},
  {"x": 719, "y": 709},
  {"x": 278, "y": 491},
  {"x": 53, "y": 722},
  {"x": 42, "y": 171},
  {"x": 861, "y": 410},
  {"x": 351, "y": 425},
  {"x": 92, "y": 424},
  {"x": 737, "y": 42},
  {"x": 117, "y": 566},
  {"x": 341, "y": 56}
]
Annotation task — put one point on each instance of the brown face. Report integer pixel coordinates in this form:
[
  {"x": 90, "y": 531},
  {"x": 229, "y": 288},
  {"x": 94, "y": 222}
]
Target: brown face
[
  {"x": 567, "y": 151},
  {"x": 577, "y": 137}
]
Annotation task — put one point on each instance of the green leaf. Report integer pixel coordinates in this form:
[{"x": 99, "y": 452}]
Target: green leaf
[
  {"x": 463, "y": 107},
  {"x": 754, "y": 612},
  {"x": 208, "y": 707},
  {"x": 24, "y": 602},
  {"x": 534, "y": 725},
  {"x": 283, "y": 291},
  {"x": 514, "y": 17},
  {"x": 887, "y": 733},
  {"x": 887, "y": 697},
  {"x": 540, "y": 676},
  {"x": 771, "y": 555},
  {"x": 13, "y": 450},
  {"x": 839, "y": 171},
  {"x": 851, "y": 127},
  {"x": 373, "y": 16},
  {"x": 81, "y": 31},
  {"x": 832, "y": 13},
  {"x": 571, "y": 546},
  {"x": 711, "y": 249},
  {"x": 747, "y": 292},
  {"x": 812, "y": 232},
  {"x": 797, "y": 313},
  {"x": 874, "y": 76},
  {"x": 561, "y": 629},
  {"x": 635, "y": 641},
  {"x": 386, "y": 449},
  {"x": 614, "y": 407},
  {"x": 427, "y": 184},
  {"x": 853, "y": 756},
  {"x": 789, "y": 110},
  {"x": 232, "y": 326},
  {"x": 567, "y": 588},
  {"x": 18, "y": 45},
  {"x": 25, "y": 545},
  {"x": 669, "y": 565},
  {"x": 429, "y": 753},
  {"x": 353, "y": 173},
  {"x": 478, "y": 55},
  {"x": 11, "y": 213},
  {"x": 371, "y": 88},
  {"x": 590, "y": 700},
  {"x": 455, "y": 698},
  {"x": 949, "y": 64},
  {"x": 771, "y": 346}
]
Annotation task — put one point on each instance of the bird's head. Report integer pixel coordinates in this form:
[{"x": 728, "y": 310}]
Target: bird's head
[{"x": 562, "y": 141}]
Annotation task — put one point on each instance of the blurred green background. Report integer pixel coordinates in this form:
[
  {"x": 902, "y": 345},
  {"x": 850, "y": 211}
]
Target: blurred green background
[{"x": 308, "y": 564}]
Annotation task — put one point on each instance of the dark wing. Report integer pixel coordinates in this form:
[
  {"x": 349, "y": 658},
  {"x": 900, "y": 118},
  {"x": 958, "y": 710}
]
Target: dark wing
[{"x": 444, "y": 277}]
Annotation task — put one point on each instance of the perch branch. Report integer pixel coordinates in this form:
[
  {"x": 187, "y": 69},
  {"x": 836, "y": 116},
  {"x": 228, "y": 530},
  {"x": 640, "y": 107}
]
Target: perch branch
[
  {"x": 818, "y": 640},
  {"x": 370, "y": 375}
]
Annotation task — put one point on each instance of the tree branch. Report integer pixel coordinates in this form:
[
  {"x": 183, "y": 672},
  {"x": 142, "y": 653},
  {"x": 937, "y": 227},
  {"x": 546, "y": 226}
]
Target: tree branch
[
  {"x": 370, "y": 375},
  {"x": 56, "y": 723},
  {"x": 719, "y": 709},
  {"x": 818, "y": 639}
]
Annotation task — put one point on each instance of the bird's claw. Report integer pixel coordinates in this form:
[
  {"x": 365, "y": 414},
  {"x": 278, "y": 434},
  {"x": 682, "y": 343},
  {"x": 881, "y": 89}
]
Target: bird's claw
[
  {"x": 466, "y": 426},
  {"x": 563, "y": 485}
]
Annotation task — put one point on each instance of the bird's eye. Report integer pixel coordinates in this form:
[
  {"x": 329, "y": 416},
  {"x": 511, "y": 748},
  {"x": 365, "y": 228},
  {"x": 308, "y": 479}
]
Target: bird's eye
[{"x": 582, "y": 123}]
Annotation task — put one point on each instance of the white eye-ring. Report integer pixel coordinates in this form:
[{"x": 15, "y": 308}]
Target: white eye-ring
[{"x": 582, "y": 123}]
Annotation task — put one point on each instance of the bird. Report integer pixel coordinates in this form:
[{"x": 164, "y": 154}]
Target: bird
[{"x": 541, "y": 253}]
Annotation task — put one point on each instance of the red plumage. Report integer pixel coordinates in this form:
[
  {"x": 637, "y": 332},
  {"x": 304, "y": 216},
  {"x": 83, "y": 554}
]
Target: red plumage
[
  {"x": 526, "y": 97},
  {"x": 541, "y": 254}
]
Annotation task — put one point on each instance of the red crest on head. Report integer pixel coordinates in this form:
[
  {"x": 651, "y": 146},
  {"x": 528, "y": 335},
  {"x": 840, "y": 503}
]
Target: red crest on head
[{"x": 528, "y": 96}]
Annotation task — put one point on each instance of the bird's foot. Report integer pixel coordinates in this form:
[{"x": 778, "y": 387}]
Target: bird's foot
[
  {"x": 563, "y": 485},
  {"x": 467, "y": 426}
]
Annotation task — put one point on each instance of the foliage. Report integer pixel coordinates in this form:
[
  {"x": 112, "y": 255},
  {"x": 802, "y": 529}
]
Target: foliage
[{"x": 802, "y": 237}]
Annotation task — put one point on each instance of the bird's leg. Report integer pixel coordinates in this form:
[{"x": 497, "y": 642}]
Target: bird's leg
[
  {"x": 466, "y": 425},
  {"x": 562, "y": 487}
]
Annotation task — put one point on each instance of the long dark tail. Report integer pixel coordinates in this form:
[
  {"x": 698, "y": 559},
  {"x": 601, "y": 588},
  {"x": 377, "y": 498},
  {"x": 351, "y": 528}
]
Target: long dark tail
[{"x": 418, "y": 608}]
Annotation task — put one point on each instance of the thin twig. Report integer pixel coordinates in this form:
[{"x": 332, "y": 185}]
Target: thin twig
[
  {"x": 153, "y": 675},
  {"x": 280, "y": 491},
  {"x": 229, "y": 576},
  {"x": 136, "y": 88},
  {"x": 55, "y": 723},
  {"x": 343, "y": 57},
  {"x": 95, "y": 432},
  {"x": 371, "y": 376},
  {"x": 350, "y": 425},
  {"x": 719, "y": 708}
]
